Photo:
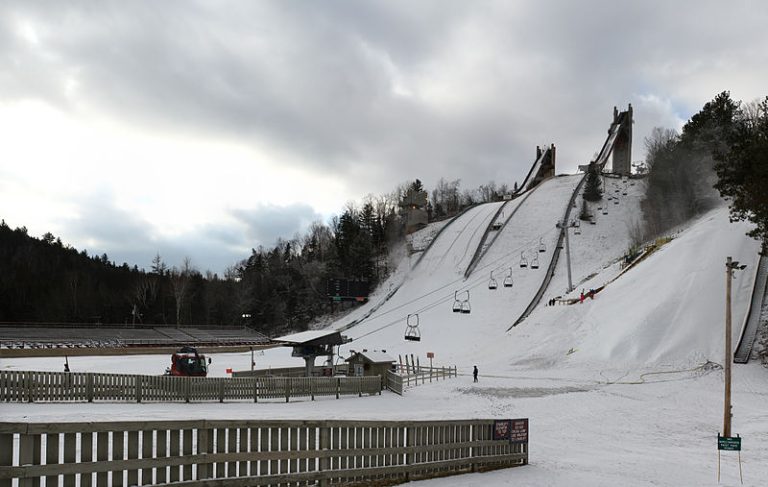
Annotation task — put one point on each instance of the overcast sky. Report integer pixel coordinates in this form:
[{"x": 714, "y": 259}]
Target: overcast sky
[{"x": 205, "y": 129}]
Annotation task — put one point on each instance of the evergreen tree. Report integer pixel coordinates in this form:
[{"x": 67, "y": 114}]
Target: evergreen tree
[
  {"x": 742, "y": 170},
  {"x": 592, "y": 189}
]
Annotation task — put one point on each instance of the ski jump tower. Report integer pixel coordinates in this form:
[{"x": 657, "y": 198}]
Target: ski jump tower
[
  {"x": 543, "y": 168},
  {"x": 622, "y": 146}
]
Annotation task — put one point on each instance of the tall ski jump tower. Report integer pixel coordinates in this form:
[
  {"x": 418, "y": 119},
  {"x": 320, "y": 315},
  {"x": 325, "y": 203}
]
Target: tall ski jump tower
[{"x": 622, "y": 147}]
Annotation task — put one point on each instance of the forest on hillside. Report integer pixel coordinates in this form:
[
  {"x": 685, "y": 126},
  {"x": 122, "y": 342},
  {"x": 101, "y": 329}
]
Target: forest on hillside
[{"x": 722, "y": 151}]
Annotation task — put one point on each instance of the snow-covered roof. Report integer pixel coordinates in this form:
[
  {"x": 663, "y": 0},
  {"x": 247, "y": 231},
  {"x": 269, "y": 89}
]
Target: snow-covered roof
[
  {"x": 305, "y": 336},
  {"x": 375, "y": 356}
]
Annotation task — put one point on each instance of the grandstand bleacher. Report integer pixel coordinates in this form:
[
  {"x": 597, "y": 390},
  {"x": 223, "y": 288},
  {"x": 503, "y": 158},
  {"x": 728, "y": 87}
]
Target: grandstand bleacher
[{"x": 33, "y": 336}]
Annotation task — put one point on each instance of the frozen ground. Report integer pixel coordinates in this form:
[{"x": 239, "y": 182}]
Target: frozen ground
[{"x": 625, "y": 389}]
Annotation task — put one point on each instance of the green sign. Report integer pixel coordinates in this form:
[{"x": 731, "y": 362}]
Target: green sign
[{"x": 729, "y": 443}]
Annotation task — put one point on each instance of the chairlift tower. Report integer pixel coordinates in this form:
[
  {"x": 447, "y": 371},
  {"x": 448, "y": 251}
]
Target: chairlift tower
[{"x": 564, "y": 226}]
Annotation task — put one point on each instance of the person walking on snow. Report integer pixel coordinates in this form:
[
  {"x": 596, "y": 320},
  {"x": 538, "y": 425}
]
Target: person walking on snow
[{"x": 474, "y": 374}]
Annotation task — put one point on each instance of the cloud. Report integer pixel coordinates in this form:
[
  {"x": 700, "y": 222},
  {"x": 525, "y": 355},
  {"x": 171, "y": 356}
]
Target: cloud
[
  {"x": 365, "y": 94},
  {"x": 265, "y": 224}
]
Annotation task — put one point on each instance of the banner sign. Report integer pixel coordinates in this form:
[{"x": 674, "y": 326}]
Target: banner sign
[{"x": 513, "y": 430}]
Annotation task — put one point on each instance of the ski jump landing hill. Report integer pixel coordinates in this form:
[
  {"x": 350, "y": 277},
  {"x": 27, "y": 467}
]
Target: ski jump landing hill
[
  {"x": 489, "y": 243},
  {"x": 515, "y": 241}
]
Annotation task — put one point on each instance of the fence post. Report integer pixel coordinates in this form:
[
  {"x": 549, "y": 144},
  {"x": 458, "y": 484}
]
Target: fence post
[
  {"x": 6, "y": 455},
  {"x": 204, "y": 447},
  {"x": 89, "y": 386},
  {"x": 359, "y": 387},
  {"x": 255, "y": 389},
  {"x": 312, "y": 388},
  {"x": 27, "y": 384},
  {"x": 338, "y": 387},
  {"x": 138, "y": 388},
  {"x": 221, "y": 389},
  {"x": 187, "y": 388},
  {"x": 325, "y": 445},
  {"x": 288, "y": 388}
]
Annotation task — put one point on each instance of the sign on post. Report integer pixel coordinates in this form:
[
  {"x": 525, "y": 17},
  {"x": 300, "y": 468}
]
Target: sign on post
[{"x": 729, "y": 443}]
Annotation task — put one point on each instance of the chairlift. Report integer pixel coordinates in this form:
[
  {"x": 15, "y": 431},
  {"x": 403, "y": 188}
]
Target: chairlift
[
  {"x": 624, "y": 193},
  {"x": 492, "y": 284},
  {"x": 508, "y": 280},
  {"x": 542, "y": 247},
  {"x": 465, "y": 307},
  {"x": 523, "y": 260},
  {"x": 535, "y": 261},
  {"x": 605, "y": 211},
  {"x": 576, "y": 227},
  {"x": 615, "y": 202},
  {"x": 412, "y": 332},
  {"x": 456, "y": 302}
]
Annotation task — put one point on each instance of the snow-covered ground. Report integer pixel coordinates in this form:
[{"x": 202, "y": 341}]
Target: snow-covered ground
[{"x": 625, "y": 389}]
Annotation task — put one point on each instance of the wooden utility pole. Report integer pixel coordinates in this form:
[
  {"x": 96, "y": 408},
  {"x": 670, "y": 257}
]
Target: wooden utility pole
[
  {"x": 728, "y": 359},
  {"x": 730, "y": 266}
]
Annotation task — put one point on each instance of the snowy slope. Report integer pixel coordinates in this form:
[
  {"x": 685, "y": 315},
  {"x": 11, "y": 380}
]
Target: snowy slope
[{"x": 623, "y": 390}]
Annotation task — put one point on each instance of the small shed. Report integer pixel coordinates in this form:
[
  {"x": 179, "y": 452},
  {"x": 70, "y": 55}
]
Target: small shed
[{"x": 367, "y": 363}]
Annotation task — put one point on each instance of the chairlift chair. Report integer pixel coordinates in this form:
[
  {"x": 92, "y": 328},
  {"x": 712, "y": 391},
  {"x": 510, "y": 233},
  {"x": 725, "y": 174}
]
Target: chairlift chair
[
  {"x": 542, "y": 247},
  {"x": 465, "y": 307},
  {"x": 535, "y": 261},
  {"x": 508, "y": 280},
  {"x": 456, "y": 302},
  {"x": 605, "y": 211},
  {"x": 523, "y": 260},
  {"x": 412, "y": 332},
  {"x": 492, "y": 284}
]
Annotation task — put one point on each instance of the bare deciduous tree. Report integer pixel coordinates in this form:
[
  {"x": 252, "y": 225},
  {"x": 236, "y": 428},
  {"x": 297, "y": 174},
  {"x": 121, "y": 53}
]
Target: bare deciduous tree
[{"x": 180, "y": 279}]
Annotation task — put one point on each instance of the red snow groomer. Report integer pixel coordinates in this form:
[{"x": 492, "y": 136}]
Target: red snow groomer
[{"x": 188, "y": 363}]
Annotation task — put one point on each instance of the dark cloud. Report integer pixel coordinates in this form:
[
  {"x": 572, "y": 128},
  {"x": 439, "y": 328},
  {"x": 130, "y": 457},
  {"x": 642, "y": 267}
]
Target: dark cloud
[
  {"x": 265, "y": 224},
  {"x": 102, "y": 227},
  {"x": 315, "y": 78}
]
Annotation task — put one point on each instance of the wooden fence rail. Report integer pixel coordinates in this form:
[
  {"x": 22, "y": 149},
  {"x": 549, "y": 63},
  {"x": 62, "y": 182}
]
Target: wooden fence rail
[
  {"x": 409, "y": 376},
  {"x": 205, "y": 453},
  {"x": 30, "y": 386}
]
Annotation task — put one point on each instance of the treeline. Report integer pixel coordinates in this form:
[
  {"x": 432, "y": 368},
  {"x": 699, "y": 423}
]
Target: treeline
[
  {"x": 275, "y": 289},
  {"x": 43, "y": 280},
  {"x": 681, "y": 167},
  {"x": 723, "y": 148}
]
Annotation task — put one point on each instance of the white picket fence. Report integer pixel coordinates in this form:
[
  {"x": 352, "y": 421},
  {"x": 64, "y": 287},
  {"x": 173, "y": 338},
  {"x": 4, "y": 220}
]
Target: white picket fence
[
  {"x": 240, "y": 453},
  {"x": 33, "y": 386}
]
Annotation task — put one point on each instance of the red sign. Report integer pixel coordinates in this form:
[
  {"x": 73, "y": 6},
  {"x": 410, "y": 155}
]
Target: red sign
[
  {"x": 430, "y": 354},
  {"x": 513, "y": 430},
  {"x": 229, "y": 371},
  {"x": 519, "y": 431}
]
